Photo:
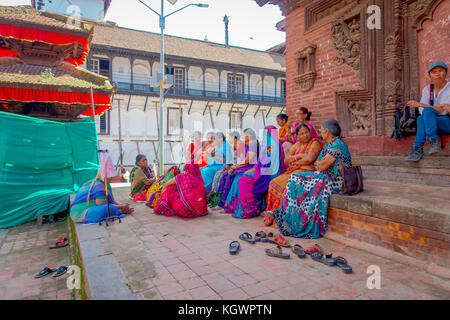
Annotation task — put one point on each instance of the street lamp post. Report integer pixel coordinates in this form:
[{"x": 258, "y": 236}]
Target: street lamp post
[{"x": 162, "y": 25}]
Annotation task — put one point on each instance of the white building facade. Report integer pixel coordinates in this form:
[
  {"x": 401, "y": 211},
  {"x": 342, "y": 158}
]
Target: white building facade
[{"x": 216, "y": 88}]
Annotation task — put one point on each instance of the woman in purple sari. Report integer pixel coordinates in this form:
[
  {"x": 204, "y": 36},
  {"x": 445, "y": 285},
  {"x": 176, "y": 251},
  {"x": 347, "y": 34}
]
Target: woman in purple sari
[
  {"x": 246, "y": 197},
  {"x": 235, "y": 172}
]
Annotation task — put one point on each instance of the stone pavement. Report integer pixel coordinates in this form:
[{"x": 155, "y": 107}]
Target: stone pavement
[
  {"x": 23, "y": 253},
  {"x": 172, "y": 258}
]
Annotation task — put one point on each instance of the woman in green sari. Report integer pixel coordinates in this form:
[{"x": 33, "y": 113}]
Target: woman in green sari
[
  {"x": 155, "y": 190},
  {"x": 141, "y": 177}
]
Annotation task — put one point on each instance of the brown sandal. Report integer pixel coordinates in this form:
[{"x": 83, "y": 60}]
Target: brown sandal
[
  {"x": 282, "y": 241},
  {"x": 299, "y": 251},
  {"x": 277, "y": 252}
]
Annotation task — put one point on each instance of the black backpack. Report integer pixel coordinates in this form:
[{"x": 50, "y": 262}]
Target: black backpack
[{"x": 405, "y": 123}]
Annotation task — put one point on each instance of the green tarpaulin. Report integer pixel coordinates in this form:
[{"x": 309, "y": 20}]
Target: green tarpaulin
[{"x": 41, "y": 163}]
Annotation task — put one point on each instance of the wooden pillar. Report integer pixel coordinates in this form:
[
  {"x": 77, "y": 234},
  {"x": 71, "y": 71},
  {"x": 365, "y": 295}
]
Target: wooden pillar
[
  {"x": 204, "y": 84},
  {"x": 132, "y": 73},
  {"x": 248, "y": 84},
  {"x": 262, "y": 87},
  {"x": 111, "y": 58},
  {"x": 187, "y": 78},
  {"x": 275, "y": 94},
  {"x": 219, "y": 71}
]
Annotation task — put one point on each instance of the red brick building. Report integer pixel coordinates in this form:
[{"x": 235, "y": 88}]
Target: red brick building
[{"x": 337, "y": 66}]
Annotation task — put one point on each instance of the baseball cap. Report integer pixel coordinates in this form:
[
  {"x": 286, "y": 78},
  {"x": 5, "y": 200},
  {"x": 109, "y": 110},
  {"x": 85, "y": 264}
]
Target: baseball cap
[{"x": 437, "y": 64}]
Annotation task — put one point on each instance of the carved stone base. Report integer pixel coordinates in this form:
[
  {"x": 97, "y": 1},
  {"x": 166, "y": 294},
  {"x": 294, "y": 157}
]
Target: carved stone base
[{"x": 306, "y": 81}]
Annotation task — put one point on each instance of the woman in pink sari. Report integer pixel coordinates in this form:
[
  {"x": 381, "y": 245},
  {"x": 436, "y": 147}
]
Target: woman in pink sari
[
  {"x": 184, "y": 195},
  {"x": 304, "y": 117}
]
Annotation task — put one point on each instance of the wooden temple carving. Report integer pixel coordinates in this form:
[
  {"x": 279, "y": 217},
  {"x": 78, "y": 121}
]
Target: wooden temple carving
[
  {"x": 346, "y": 35},
  {"x": 306, "y": 66}
]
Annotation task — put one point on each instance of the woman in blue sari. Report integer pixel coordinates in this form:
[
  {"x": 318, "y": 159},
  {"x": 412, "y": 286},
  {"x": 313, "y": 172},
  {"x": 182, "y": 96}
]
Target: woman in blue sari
[
  {"x": 303, "y": 210},
  {"x": 92, "y": 204},
  {"x": 246, "y": 196},
  {"x": 218, "y": 157},
  {"x": 248, "y": 162}
]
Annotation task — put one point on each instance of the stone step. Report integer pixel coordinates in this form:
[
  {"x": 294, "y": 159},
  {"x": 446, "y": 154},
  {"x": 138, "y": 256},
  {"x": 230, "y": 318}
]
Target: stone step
[
  {"x": 431, "y": 171},
  {"x": 413, "y": 219}
]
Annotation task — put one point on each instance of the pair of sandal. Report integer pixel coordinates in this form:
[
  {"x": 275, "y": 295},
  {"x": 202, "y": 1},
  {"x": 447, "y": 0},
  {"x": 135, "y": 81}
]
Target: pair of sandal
[
  {"x": 59, "y": 272},
  {"x": 261, "y": 236},
  {"x": 278, "y": 252},
  {"x": 235, "y": 245},
  {"x": 62, "y": 242},
  {"x": 317, "y": 254}
]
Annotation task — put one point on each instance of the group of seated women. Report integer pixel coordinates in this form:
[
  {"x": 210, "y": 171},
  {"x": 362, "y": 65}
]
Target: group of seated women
[{"x": 290, "y": 174}]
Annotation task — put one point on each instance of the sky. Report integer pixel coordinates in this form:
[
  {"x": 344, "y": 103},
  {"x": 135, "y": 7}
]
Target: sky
[{"x": 250, "y": 26}]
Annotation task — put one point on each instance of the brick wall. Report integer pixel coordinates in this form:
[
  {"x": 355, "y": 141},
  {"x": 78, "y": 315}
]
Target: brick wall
[
  {"x": 434, "y": 40},
  {"x": 331, "y": 77},
  {"x": 420, "y": 243}
]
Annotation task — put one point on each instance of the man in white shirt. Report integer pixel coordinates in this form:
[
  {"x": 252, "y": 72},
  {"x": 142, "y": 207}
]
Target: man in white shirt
[{"x": 434, "y": 109}]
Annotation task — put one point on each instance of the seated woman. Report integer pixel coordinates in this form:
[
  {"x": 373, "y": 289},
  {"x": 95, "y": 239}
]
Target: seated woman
[
  {"x": 207, "y": 146},
  {"x": 141, "y": 177},
  {"x": 284, "y": 133},
  {"x": 246, "y": 196},
  {"x": 91, "y": 205},
  {"x": 154, "y": 192},
  {"x": 301, "y": 158},
  {"x": 237, "y": 154},
  {"x": 194, "y": 151},
  {"x": 304, "y": 116},
  {"x": 184, "y": 195},
  {"x": 217, "y": 159},
  {"x": 303, "y": 210},
  {"x": 234, "y": 172}
]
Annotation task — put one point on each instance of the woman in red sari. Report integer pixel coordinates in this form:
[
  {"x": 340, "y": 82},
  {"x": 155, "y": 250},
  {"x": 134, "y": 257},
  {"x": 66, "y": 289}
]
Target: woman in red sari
[
  {"x": 194, "y": 152},
  {"x": 184, "y": 195}
]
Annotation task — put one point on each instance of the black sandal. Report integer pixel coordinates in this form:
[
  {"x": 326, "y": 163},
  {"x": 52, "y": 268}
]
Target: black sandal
[
  {"x": 247, "y": 237},
  {"x": 44, "y": 272},
  {"x": 260, "y": 235},
  {"x": 341, "y": 262},
  {"x": 234, "y": 247},
  {"x": 61, "y": 270},
  {"x": 328, "y": 260}
]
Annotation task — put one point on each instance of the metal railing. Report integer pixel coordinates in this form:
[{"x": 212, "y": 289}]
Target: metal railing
[
  {"x": 196, "y": 93},
  {"x": 211, "y": 90}
]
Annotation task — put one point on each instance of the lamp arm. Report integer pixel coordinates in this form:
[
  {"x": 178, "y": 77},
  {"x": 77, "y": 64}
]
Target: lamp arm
[
  {"x": 149, "y": 8},
  {"x": 190, "y": 4}
]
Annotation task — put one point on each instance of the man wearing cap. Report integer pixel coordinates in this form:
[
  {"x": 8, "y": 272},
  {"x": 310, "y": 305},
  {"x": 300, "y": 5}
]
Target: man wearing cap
[{"x": 434, "y": 108}]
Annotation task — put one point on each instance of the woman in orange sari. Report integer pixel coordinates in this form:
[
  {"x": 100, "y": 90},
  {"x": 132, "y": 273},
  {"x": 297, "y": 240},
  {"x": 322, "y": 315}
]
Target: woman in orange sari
[
  {"x": 301, "y": 158},
  {"x": 284, "y": 133}
]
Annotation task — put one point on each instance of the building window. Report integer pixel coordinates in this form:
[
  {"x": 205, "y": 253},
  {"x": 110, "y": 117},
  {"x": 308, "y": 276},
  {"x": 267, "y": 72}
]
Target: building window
[
  {"x": 178, "y": 77},
  {"x": 174, "y": 120},
  {"x": 101, "y": 66},
  {"x": 236, "y": 120},
  {"x": 104, "y": 67},
  {"x": 94, "y": 65},
  {"x": 283, "y": 89},
  {"x": 102, "y": 123},
  {"x": 235, "y": 84}
]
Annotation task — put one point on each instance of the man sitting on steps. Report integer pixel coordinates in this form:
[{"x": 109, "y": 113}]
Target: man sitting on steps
[{"x": 434, "y": 107}]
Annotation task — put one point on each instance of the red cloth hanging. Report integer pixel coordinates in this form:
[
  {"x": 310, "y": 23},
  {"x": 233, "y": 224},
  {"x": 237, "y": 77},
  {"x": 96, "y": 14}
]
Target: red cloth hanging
[
  {"x": 102, "y": 102},
  {"x": 23, "y": 33}
]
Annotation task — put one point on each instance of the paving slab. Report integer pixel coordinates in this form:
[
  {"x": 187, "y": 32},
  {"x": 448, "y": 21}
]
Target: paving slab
[
  {"x": 23, "y": 253},
  {"x": 155, "y": 257}
]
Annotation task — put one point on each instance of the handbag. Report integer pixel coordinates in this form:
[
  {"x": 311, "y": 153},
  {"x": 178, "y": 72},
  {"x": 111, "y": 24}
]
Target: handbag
[{"x": 352, "y": 180}]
